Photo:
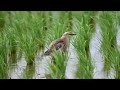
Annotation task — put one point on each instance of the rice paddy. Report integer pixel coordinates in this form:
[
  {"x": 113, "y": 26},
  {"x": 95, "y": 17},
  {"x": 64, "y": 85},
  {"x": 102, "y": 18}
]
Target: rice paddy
[{"x": 94, "y": 52}]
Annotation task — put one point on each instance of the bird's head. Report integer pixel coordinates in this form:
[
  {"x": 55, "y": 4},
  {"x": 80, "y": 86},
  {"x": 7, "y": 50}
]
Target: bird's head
[{"x": 68, "y": 33}]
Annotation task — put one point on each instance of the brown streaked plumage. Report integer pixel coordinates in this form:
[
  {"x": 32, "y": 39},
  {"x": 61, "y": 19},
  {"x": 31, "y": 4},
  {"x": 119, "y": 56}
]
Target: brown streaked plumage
[{"x": 59, "y": 44}]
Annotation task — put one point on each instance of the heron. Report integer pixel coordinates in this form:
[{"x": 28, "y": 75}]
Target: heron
[{"x": 59, "y": 44}]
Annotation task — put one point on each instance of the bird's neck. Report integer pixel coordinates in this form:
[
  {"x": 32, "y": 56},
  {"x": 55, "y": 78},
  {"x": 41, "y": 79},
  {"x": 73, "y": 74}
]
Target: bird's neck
[{"x": 65, "y": 38}]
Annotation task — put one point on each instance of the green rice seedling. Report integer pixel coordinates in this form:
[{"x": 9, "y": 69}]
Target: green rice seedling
[
  {"x": 108, "y": 25},
  {"x": 50, "y": 18},
  {"x": 15, "y": 26},
  {"x": 2, "y": 20},
  {"x": 3, "y": 56},
  {"x": 118, "y": 18},
  {"x": 58, "y": 65},
  {"x": 59, "y": 26},
  {"x": 88, "y": 22},
  {"x": 10, "y": 31},
  {"x": 29, "y": 72},
  {"x": 3, "y": 68},
  {"x": 85, "y": 68},
  {"x": 32, "y": 22},
  {"x": 66, "y": 18},
  {"x": 12, "y": 45},
  {"x": 70, "y": 18},
  {"x": 47, "y": 19},
  {"x": 4, "y": 47},
  {"x": 23, "y": 34},
  {"x": 115, "y": 54},
  {"x": 28, "y": 32},
  {"x": 39, "y": 30},
  {"x": 30, "y": 48},
  {"x": 44, "y": 20},
  {"x": 84, "y": 31},
  {"x": 33, "y": 37}
]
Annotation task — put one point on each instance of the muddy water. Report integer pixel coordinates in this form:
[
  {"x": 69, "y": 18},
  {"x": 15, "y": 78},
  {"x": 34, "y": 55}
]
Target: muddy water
[
  {"x": 118, "y": 38},
  {"x": 16, "y": 71},
  {"x": 71, "y": 67},
  {"x": 72, "y": 63},
  {"x": 41, "y": 65},
  {"x": 22, "y": 71},
  {"x": 96, "y": 55}
]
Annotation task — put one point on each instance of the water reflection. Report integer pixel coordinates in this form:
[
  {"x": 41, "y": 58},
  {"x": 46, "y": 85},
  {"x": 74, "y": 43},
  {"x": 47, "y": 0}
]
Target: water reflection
[
  {"x": 96, "y": 55},
  {"x": 41, "y": 66},
  {"x": 15, "y": 71},
  {"x": 71, "y": 67},
  {"x": 118, "y": 38}
]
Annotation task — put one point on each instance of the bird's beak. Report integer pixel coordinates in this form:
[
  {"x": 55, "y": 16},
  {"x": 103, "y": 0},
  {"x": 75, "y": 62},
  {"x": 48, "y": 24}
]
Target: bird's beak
[{"x": 72, "y": 34}]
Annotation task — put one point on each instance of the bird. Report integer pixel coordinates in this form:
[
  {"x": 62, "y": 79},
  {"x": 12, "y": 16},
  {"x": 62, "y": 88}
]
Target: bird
[{"x": 59, "y": 44}]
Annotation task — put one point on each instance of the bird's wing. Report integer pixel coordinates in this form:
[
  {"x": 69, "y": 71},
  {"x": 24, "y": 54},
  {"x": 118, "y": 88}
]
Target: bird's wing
[{"x": 57, "y": 44}]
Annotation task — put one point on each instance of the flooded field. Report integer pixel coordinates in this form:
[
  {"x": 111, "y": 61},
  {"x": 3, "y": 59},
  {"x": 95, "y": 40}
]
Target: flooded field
[{"x": 93, "y": 53}]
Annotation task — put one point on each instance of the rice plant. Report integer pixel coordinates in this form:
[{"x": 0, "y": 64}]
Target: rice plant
[
  {"x": 108, "y": 25},
  {"x": 58, "y": 65},
  {"x": 3, "y": 48},
  {"x": 2, "y": 20},
  {"x": 3, "y": 57},
  {"x": 29, "y": 72},
  {"x": 28, "y": 30},
  {"x": 84, "y": 31},
  {"x": 59, "y": 26},
  {"x": 115, "y": 54},
  {"x": 57, "y": 68},
  {"x": 24, "y": 33}
]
